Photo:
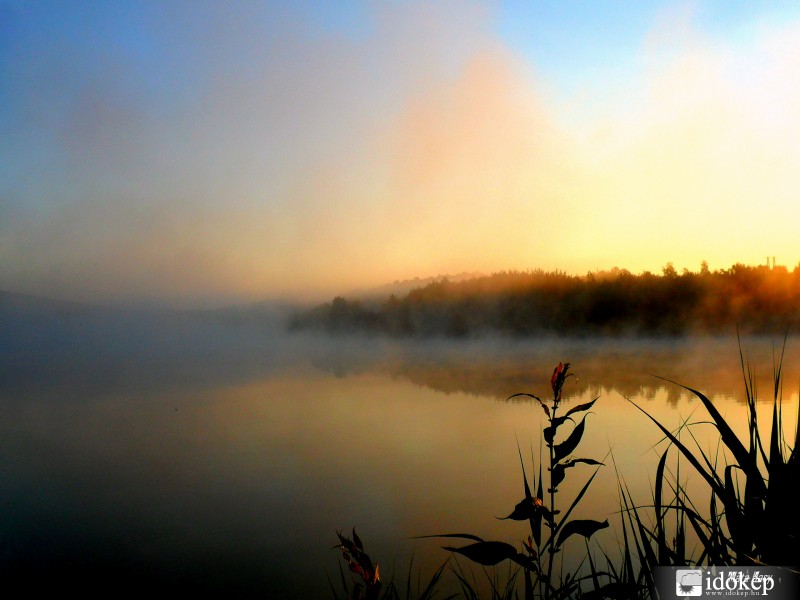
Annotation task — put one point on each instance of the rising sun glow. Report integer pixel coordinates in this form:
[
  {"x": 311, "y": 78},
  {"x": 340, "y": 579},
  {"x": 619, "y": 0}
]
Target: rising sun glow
[{"x": 200, "y": 155}]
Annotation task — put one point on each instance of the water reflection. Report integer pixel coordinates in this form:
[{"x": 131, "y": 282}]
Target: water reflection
[
  {"x": 180, "y": 456},
  {"x": 631, "y": 367}
]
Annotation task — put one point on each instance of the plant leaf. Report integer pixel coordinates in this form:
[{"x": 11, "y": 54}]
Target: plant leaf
[
  {"x": 565, "y": 448},
  {"x": 486, "y": 553},
  {"x": 584, "y": 527},
  {"x": 558, "y": 472},
  {"x": 523, "y": 394},
  {"x": 557, "y": 476},
  {"x": 616, "y": 590},
  {"x": 539, "y": 400},
  {"x": 357, "y": 541},
  {"x": 527, "y": 509},
  {"x": 581, "y": 407},
  {"x": 572, "y": 506},
  {"x": 587, "y": 461},
  {"x": 465, "y": 536},
  {"x": 550, "y": 432}
]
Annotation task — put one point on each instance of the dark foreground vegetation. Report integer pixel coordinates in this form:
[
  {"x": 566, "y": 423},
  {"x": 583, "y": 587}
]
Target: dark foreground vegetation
[
  {"x": 756, "y": 299},
  {"x": 747, "y": 515}
]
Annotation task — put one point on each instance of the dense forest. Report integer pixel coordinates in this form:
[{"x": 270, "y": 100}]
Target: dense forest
[{"x": 754, "y": 299}]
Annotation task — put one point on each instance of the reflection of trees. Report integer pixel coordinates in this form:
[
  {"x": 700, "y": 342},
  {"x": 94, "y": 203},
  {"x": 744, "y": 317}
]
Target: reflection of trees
[
  {"x": 756, "y": 299},
  {"x": 626, "y": 367}
]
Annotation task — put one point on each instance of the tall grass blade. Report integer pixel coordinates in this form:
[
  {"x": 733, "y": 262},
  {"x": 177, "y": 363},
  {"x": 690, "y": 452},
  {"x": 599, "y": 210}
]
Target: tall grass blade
[
  {"x": 710, "y": 478},
  {"x": 524, "y": 476},
  {"x": 627, "y": 562},
  {"x": 343, "y": 580},
  {"x": 647, "y": 557},
  {"x": 537, "y": 520},
  {"x": 592, "y": 570},
  {"x": 467, "y": 589},
  {"x": 333, "y": 588},
  {"x": 775, "y": 451},
  {"x": 744, "y": 458},
  {"x": 408, "y": 578},
  {"x": 661, "y": 542},
  {"x": 430, "y": 589},
  {"x": 528, "y": 585},
  {"x": 742, "y": 541}
]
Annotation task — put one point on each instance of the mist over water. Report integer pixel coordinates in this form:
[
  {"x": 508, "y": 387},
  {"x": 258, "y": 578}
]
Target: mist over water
[
  {"x": 198, "y": 154},
  {"x": 215, "y": 451}
]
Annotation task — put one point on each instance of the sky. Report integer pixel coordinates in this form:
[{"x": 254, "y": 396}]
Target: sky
[{"x": 196, "y": 153}]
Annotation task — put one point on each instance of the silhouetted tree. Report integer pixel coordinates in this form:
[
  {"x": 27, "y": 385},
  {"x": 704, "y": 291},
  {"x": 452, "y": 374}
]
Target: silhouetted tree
[{"x": 755, "y": 299}]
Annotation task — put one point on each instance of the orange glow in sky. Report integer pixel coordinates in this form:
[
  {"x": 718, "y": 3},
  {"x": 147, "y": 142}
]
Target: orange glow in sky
[{"x": 285, "y": 153}]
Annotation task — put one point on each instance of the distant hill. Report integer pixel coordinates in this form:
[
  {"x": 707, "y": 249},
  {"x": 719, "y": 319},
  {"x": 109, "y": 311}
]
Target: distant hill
[
  {"x": 37, "y": 317},
  {"x": 13, "y": 302},
  {"x": 401, "y": 288}
]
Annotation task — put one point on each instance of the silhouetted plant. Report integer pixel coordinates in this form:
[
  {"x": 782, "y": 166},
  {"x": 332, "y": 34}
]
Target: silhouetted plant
[
  {"x": 366, "y": 585},
  {"x": 548, "y": 530},
  {"x": 752, "y": 515}
]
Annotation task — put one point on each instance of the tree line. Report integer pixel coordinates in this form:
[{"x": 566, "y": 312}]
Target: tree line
[{"x": 754, "y": 299}]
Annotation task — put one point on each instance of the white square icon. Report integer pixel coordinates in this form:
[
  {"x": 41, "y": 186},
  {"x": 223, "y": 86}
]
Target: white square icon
[{"x": 689, "y": 582}]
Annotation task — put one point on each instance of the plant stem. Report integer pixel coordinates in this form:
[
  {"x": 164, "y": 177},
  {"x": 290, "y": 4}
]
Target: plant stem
[{"x": 552, "y": 518}]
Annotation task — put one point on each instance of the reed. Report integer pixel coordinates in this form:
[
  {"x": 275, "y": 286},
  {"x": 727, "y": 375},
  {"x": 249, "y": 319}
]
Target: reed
[
  {"x": 751, "y": 516},
  {"x": 365, "y": 580},
  {"x": 549, "y": 528}
]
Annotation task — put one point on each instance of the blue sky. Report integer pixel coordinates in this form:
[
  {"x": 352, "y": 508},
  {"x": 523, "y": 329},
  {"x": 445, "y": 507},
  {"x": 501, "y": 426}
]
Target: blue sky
[{"x": 196, "y": 153}]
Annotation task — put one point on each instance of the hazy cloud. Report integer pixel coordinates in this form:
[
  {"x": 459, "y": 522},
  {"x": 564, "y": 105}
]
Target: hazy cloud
[{"x": 189, "y": 153}]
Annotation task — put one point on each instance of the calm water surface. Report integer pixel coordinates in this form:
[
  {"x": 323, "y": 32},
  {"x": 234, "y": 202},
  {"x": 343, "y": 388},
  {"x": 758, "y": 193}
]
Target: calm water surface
[{"x": 226, "y": 460}]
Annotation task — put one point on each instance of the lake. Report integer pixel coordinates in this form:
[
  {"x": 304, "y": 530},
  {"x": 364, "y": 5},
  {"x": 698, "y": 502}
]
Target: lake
[{"x": 191, "y": 456}]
